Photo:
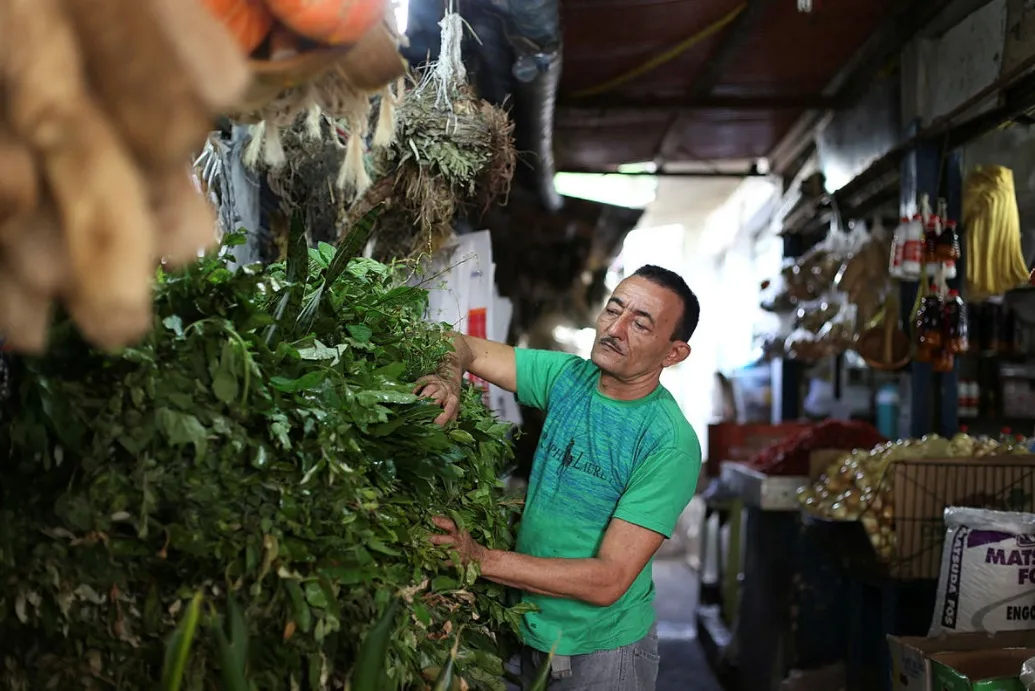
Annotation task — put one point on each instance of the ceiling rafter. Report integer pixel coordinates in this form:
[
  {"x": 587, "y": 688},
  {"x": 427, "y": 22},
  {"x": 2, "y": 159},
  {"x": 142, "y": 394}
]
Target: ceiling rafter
[
  {"x": 694, "y": 103},
  {"x": 730, "y": 45}
]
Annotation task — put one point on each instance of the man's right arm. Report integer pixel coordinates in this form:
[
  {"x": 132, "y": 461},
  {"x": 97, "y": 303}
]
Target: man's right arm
[{"x": 494, "y": 362}]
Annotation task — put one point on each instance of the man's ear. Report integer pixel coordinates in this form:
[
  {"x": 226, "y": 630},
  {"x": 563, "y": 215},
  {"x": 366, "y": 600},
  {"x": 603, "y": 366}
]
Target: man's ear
[{"x": 677, "y": 353}]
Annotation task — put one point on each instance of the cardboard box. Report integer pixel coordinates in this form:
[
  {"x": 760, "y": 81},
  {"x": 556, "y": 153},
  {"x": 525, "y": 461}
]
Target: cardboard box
[
  {"x": 980, "y": 670},
  {"x": 911, "y": 657}
]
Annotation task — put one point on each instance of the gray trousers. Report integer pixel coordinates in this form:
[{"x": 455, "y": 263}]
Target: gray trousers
[{"x": 632, "y": 667}]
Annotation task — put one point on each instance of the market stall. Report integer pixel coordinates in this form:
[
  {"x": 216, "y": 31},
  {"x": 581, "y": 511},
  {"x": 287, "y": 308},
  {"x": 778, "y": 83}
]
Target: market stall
[{"x": 918, "y": 325}]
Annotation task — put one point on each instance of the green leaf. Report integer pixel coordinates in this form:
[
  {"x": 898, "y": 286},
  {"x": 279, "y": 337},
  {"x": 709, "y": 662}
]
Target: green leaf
[
  {"x": 360, "y": 332},
  {"x": 369, "y": 398},
  {"x": 177, "y": 651},
  {"x": 445, "y": 678},
  {"x": 224, "y": 386},
  {"x": 304, "y": 383},
  {"x": 233, "y": 649},
  {"x": 302, "y": 615},
  {"x": 321, "y": 352},
  {"x": 181, "y": 429},
  {"x": 541, "y": 681},
  {"x": 174, "y": 324},
  {"x": 378, "y": 546},
  {"x": 461, "y": 437},
  {"x": 370, "y": 662},
  {"x": 315, "y": 595}
]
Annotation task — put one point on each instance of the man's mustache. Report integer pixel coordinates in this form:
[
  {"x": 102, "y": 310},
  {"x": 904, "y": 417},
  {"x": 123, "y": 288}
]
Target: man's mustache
[{"x": 611, "y": 342}]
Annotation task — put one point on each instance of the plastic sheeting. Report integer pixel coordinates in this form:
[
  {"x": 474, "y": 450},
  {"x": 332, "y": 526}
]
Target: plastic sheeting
[{"x": 461, "y": 282}]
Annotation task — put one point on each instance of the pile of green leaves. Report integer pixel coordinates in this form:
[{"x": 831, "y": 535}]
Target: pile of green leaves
[{"x": 262, "y": 449}]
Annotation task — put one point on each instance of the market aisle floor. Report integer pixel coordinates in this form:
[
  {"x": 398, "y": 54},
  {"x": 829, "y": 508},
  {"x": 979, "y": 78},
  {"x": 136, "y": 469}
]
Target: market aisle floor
[{"x": 683, "y": 667}]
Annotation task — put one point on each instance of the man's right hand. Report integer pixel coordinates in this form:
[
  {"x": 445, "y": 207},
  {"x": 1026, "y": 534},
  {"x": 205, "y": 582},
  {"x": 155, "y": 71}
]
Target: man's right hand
[{"x": 443, "y": 392}]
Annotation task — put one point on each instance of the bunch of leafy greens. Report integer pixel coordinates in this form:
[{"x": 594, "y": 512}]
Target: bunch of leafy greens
[{"x": 261, "y": 456}]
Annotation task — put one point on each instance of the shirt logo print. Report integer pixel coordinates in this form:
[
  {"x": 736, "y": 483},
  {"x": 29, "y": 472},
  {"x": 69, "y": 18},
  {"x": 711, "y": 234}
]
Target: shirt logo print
[{"x": 570, "y": 460}]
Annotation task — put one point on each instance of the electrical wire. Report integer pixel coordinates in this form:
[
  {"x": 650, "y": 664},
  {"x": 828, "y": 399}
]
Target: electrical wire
[{"x": 669, "y": 55}]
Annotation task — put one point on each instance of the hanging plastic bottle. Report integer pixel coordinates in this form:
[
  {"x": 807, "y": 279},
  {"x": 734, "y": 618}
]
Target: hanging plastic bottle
[
  {"x": 955, "y": 323},
  {"x": 931, "y": 236},
  {"x": 888, "y": 411},
  {"x": 926, "y": 322},
  {"x": 898, "y": 246},
  {"x": 929, "y": 329},
  {"x": 948, "y": 250},
  {"x": 913, "y": 250}
]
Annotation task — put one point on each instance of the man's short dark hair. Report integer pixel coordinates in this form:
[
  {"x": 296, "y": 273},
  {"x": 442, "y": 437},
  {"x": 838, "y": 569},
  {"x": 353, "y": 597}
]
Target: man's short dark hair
[{"x": 686, "y": 326}]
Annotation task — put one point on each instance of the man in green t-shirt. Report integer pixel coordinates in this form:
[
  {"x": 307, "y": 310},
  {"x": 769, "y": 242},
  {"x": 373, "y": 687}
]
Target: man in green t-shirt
[{"x": 616, "y": 465}]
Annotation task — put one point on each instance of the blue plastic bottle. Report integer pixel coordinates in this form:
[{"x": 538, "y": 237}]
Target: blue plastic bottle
[{"x": 887, "y": 411}]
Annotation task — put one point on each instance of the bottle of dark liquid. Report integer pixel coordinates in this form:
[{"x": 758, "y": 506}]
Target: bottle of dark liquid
[
  {"x": 974, "y": 328},
  {"x": 923, "y": 352},
  {"x": 929, "y": 327},
  {"x": 944, "y": 361},
  {"x": 955, "y": 323},
  {"x": 931, "y": 241},
  {"x": 941, "y": 333},
  {"x": 949, "y": 243}
]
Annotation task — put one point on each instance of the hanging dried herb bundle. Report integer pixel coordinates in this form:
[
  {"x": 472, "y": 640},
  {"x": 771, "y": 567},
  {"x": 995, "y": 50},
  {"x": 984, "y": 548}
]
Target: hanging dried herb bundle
[
  {"x": 261, "y": 448},
  {"x": 305, "y": 183},
  {"x": 450, "y": 153}
]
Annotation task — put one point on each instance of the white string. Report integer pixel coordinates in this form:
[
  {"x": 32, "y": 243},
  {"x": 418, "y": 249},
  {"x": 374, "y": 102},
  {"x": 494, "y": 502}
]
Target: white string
[{"x": 450, "y": 70}]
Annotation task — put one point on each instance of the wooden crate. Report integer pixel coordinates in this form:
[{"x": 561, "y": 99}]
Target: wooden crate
[{"x": 922, "y": 489}]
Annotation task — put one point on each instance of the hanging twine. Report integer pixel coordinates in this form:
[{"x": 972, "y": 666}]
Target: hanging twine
[{"x": 450, "y": 70}]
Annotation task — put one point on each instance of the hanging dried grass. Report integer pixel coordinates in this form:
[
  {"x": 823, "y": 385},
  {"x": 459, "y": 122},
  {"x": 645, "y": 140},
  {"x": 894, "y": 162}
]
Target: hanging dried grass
[
  {"x": 438, "y": 150},
  {"x": 341, "y": 92},
  {"x": 450, "y": 154},
  {"x": 306, "y": 181}
]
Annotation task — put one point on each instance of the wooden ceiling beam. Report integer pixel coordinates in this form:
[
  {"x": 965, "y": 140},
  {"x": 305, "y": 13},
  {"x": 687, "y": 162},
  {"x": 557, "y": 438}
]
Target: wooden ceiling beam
[
  {"x": 730, "y": 47},
  {"x": 731, "y": 44}
]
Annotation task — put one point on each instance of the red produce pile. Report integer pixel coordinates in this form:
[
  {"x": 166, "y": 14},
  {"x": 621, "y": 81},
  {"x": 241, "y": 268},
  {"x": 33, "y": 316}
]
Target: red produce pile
[{"x": 791, "y": 456}]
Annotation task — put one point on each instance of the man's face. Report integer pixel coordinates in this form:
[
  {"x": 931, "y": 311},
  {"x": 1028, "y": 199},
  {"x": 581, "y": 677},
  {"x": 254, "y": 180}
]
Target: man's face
[{"x": 634, "y": 332}]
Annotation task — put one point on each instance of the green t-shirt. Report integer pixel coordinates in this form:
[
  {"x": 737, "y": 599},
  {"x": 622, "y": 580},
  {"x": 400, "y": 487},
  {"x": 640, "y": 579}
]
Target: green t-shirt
[{"x": 598, "y": 459}]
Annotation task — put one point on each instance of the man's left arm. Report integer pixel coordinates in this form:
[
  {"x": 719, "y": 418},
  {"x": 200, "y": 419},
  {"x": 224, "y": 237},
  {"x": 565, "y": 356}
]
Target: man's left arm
[
  {"x": 646, "y": 515},
  {"x": 601, "y": 580}
]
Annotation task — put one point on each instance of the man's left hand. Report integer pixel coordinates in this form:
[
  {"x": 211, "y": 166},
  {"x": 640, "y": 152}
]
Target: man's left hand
[{"x": 458, "y": 539}]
